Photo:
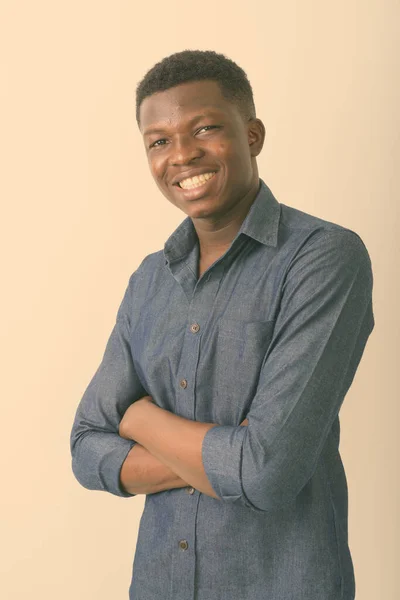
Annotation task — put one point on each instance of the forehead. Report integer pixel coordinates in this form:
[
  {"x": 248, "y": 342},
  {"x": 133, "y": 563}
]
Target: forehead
[{"x": 184, "y": 101}]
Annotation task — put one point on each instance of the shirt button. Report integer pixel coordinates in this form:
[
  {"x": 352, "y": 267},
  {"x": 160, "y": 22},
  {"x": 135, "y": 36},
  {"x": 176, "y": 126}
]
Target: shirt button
[
  {"x": 190, "y": 490},
  {"x": 183, "y": 383},
  {"x": 194, "y": 328},
  {"x": 183, "y": 545}
]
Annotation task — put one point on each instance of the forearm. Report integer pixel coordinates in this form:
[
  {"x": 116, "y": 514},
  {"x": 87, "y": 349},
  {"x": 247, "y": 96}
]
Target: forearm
[
  {"x": 143, "y": 473},
  {"x": 174, "y": 440}
]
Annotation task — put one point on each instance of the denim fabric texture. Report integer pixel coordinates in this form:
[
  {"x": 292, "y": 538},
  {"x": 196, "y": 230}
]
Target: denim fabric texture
[{"x": 283, "y": 316}]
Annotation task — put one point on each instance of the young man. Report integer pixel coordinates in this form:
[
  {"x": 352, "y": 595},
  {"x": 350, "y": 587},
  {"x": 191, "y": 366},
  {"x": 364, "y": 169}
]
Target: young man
[{"x": 219, "y": 391}]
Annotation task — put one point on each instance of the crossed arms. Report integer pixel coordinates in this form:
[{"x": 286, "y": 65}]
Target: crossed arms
[
  {"x": 160, "y": 462},
  {"x": 123, "y": 443}
]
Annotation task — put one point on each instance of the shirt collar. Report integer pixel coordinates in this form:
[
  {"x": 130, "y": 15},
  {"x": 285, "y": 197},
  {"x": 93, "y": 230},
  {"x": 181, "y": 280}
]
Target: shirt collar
[{"x": 261, "y": 223}]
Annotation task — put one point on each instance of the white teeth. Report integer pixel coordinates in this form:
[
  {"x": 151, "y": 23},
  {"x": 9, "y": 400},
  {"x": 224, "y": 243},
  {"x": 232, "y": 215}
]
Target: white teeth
[{"x": 197, "y": 181}]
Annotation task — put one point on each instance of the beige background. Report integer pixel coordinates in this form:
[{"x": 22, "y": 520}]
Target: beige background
[{"x": 79, "y": 211}]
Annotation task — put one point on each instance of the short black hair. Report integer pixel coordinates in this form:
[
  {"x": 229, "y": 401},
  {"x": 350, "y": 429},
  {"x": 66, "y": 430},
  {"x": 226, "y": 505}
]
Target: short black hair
[{"x": 197, "y": 65}]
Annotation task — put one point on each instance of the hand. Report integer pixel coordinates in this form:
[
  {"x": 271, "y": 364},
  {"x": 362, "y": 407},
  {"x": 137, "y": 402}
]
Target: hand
[{"x": 125, "y": 425}]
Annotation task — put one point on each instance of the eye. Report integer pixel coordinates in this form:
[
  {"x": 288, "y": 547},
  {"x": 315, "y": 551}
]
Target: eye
[
  {"x": 207, "y": 127},
  {"x": 157, "y": 143}
]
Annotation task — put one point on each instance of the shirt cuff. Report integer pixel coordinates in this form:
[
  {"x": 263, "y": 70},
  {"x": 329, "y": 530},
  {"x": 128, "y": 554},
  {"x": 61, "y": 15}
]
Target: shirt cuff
[
  {"x": 98, "y": 460},
  {"x": 111, "y": 465},
  {"x": 222, "y": 457}
]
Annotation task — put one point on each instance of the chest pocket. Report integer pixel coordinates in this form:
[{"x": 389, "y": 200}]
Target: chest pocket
[{"x": 241, "y": 347}]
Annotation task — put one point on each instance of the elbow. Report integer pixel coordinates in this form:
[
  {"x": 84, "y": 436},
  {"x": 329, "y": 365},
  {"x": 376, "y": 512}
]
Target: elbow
[
  {"x": 274, "y": 487},
  {"x": 83, "y": 472},
  {"x": 261, "y": 497},
  {"x": 83, "y": 475},
  {"x": 262, "y": 479},
  {"x": 80, "y": 474}
]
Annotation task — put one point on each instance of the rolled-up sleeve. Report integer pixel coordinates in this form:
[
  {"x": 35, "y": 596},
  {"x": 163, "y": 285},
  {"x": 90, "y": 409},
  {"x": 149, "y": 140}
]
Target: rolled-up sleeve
[
  {"x": 320, "y": 332},
  {"x": 97, "y": 449}
]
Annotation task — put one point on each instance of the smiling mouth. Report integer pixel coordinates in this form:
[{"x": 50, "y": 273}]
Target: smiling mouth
[{"x": 195, "y": 182}]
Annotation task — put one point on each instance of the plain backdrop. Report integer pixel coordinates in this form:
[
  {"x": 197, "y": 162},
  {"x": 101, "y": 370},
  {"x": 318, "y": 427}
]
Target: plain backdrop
[{"x": 79, "y": 211}]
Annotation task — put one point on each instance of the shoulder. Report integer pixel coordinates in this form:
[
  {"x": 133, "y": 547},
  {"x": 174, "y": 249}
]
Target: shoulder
[
  {"x": 150, "y": 267},
  {"x": 312, "y": 234},
  {"x": 294, "y": 220}
]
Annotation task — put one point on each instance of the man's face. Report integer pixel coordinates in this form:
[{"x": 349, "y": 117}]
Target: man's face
[{"x": 200, "y": 149}]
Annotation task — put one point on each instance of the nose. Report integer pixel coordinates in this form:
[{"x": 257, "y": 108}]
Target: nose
[{"x": 183, "y": 150}]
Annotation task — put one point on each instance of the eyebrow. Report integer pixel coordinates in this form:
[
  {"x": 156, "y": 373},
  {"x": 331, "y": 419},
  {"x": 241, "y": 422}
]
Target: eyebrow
[{"x": 160, "y": 129}]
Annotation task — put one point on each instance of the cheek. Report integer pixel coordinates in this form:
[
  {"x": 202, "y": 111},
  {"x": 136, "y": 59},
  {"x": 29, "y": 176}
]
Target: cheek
[
  {"x": 221, "y": 147},
  {"x": 231, "y": 149},
  {"x": 156, "y": 167}
]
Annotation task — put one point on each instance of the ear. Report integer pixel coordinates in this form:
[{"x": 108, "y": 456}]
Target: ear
[{"x": 256, "y": 136}]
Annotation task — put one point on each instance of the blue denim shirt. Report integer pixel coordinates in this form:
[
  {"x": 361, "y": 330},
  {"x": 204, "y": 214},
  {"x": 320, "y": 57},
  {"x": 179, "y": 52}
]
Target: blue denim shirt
[{"x": 282, "y": 319}]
